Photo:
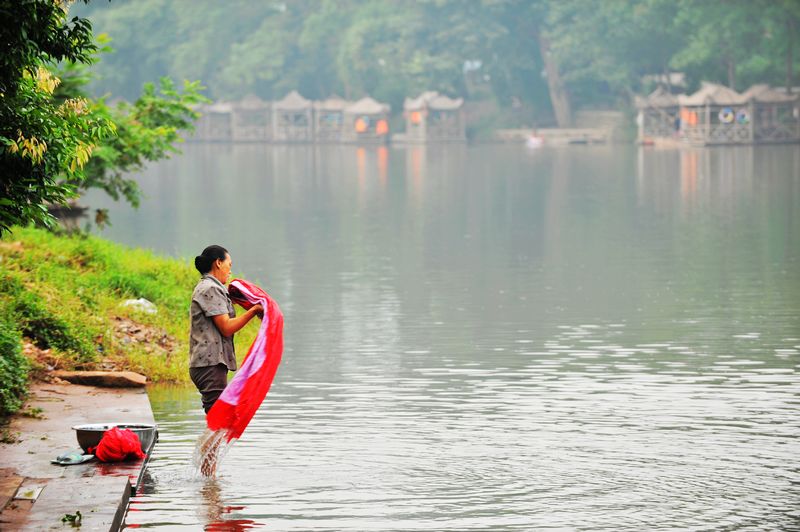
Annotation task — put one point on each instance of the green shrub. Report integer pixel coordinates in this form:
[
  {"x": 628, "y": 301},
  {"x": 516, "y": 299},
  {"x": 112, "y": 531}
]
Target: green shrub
[
  {"x": 46, "y": 329},
  {"x": 10, "y": 285},
  {"x": 49, "y": 330},
  {"x": 13, "y": 366},
  {"x": 67, "y": 293},
  {"x": 127, "y": 284}
]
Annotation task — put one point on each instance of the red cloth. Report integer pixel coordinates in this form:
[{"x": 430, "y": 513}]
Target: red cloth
[
  {"x": 117, "y": 445},
  {"x": 239, "y": 401}
]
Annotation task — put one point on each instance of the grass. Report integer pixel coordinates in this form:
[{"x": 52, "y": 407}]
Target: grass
[
  {"x": 33, "y": 412},
  {"x": 9, "y": 437},
  {"x": 64, "y": 294},
  {"x": 13, "y": 367}
]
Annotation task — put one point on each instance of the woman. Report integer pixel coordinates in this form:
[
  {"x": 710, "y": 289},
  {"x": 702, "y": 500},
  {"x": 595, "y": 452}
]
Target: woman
[{"x": 213, "y": 323}]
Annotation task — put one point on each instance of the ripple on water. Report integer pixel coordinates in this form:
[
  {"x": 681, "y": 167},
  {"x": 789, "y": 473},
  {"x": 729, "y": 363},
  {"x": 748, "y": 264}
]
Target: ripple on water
[
  {"x": 571, "y": 431},
  {"x": 459, "y": 448}
]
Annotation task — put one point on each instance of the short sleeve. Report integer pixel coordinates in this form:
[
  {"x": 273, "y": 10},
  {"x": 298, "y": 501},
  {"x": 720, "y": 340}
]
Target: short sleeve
[{"x": 213, "y": 301}]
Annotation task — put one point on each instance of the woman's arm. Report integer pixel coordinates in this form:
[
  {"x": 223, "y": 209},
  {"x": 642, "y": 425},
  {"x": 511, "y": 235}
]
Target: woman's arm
[{"x": 227, "y": 325}]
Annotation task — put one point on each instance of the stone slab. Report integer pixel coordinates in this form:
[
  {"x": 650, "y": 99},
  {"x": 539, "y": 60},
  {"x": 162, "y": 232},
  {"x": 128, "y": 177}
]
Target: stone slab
[
  {"x": 9, "y": 482},
  {"x": 67, "y": 496},
  {"x": 59, "y": 407},
  {"x": 63, "y": 406},
  {"x": 106, "y": 379}
]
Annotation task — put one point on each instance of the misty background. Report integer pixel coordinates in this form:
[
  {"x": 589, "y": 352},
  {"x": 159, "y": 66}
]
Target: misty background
[{"x": 512, "y": 56}]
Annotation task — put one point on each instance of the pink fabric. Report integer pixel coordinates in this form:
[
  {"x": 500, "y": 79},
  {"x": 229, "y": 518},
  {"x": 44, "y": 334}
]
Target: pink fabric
[{"x": 246, "y": 391}]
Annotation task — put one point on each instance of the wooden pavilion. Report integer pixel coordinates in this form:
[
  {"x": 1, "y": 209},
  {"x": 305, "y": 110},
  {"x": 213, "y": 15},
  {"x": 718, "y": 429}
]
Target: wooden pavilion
[
  {"x": 251, "y": 120},
  {"x": 658, "y": 117},
  {"x": 775, "y": 114},
  {"x": 433, "y": 117},
  {"x": 214, "y": 124},
  {"x": 292, "y": 119},
  {"x": 366, "y": 121},
  {"x": 329, "y": 119},
  {"x": 715, "y": 115}
]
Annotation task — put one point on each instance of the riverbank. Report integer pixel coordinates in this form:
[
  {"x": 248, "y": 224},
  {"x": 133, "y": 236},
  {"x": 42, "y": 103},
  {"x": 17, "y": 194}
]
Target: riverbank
[
  {"x": 100, "y": 492},
  {"x": 79, "y": 302}
]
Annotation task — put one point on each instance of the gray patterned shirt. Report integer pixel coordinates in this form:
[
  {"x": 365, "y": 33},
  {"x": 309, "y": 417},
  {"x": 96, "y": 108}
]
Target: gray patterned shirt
[{"x": 207, "y": 346}]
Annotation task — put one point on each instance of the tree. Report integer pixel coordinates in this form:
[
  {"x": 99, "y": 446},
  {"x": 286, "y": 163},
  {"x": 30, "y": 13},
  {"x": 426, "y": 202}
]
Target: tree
[
  {"x": 145, "y": 130},
  {"x": 44, "y": 142},
  {"x": 721, "y": 39},
  {"x": 541, "y": 53},
  {"x": 604, "y": 51},
  {"x": 55, "y": 141}
]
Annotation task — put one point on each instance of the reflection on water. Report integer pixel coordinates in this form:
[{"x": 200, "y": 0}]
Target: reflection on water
[
  {"x": 217, "y": 514},
  {"x": 490, "y": 337}
]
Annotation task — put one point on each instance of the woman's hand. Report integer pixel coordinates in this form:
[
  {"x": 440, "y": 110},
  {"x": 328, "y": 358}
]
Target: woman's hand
[{"x": 228, "y": 326}]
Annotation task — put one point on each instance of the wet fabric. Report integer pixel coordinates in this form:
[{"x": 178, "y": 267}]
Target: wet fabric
[
  {"x": 117, "y": 445},
  {"x": 210, "y": 381},
  {"x": 246, "y": 391}
]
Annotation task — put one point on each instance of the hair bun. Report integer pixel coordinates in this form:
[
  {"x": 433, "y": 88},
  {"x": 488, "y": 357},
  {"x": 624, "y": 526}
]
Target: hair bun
[
  {"x": 203, "y": 264},
  {"x": 205, "y": 260}
]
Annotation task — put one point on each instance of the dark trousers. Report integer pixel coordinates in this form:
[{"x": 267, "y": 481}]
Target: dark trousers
[{"x": 210, "y": 381}]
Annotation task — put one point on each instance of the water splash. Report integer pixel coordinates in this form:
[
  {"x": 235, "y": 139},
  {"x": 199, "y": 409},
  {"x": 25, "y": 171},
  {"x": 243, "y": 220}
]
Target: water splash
[{"x": 210, "y": 449}]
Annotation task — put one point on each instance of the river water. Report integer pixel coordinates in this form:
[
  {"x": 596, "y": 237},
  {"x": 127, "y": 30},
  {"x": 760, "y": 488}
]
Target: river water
[{"x": 492, "y": 337}]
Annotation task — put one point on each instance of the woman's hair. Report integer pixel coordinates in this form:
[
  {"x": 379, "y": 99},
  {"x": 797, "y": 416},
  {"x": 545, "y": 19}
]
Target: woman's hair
[{"x": 205, "y": 260}]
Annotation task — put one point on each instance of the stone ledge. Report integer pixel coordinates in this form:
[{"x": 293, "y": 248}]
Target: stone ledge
[
  {"x": 105, "y": 379},
  {"x": 63, "y": 496},
  {"x": 100, "y": 491}
]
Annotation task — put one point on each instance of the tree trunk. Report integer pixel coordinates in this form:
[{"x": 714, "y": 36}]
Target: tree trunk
[
  {"x": 558, "y": 94},
  {"x": 667, "y": 78},
  {"x": 731, "y": 73},
  {"x": 789, "y": 59}
]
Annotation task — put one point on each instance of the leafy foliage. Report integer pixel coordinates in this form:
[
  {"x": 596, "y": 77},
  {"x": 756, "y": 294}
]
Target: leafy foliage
[
  {"x": 42, "y": 140},
  {"x": 13, "y": 367},
  {"x": 739, "y": 42},
  {"x": 385, "y": 48},
  {"x": 32, "y": 32},
  {"x": 395, "y": 48},
  {"x": 66, "y": 292},
  {"x": 55, "y": 141},
  {"x": 47, "y": 328},
  {"x": 146, "y": 130}
]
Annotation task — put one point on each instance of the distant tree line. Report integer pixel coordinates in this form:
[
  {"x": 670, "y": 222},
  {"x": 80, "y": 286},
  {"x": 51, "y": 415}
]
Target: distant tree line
[{"x": 547, "y": 55}]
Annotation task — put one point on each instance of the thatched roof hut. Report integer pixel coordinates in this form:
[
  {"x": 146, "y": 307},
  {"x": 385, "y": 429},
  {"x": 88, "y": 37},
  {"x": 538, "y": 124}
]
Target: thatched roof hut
[
  {"x": 763, "y": 93},
  {"x": 215, "y": 123},
  {"x": 434, "y": 117},
  {"x": 334, "y": 103},
  {"x": 775, "y": 114},
  {"x": 329, "y": 119},
  {"x": 292, "y": 119},
  {"x": 711, "y": 94},
  {"x": 366, "y": 121},
  {"x": 715, "y": 114},
  {"x": 293, "y": 101},
  {"x": 252, "y": 120},
  {"x": 659, "y": 98},
  {"x": 658, "y": 117}
]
